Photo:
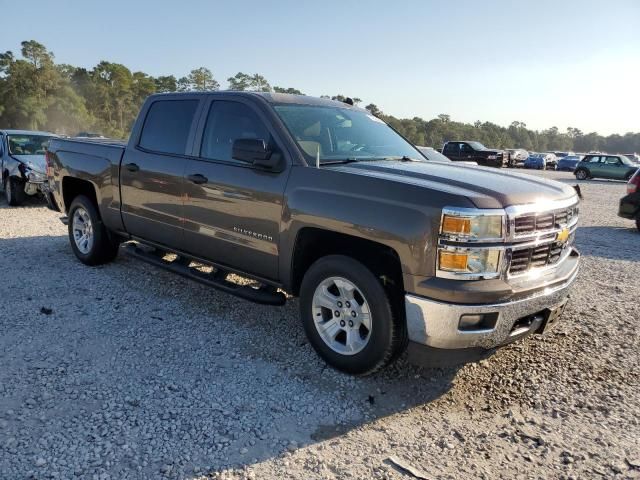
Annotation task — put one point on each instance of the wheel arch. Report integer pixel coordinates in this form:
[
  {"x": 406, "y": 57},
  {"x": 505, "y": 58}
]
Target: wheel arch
[
  {"x": 313, "y": 243},
  {"x": 72, "y": 187}
]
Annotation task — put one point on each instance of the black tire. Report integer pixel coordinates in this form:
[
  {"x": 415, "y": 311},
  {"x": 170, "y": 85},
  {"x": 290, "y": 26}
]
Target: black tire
[
  {"x": 638, "y": 223},
  {"x": 104, "y": 248},
  {"x": 581, "y": 174},
  {"x": 388, "y": 330},
  {"x": 14, "y": 191}
]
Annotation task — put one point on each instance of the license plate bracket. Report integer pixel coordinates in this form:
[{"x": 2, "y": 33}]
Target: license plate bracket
[{"x": 552, "y": 315}]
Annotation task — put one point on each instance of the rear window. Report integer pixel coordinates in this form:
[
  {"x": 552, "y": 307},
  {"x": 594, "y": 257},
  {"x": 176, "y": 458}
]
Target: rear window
[{"x": 167, "y": 126}]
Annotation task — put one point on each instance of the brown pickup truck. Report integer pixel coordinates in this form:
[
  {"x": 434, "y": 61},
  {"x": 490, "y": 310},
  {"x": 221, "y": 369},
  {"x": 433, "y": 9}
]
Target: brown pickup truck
[{"x": 321, "y": 200}]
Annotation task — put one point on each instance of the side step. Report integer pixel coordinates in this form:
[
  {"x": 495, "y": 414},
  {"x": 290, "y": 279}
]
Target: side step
[{"x": 264, "y": 295}]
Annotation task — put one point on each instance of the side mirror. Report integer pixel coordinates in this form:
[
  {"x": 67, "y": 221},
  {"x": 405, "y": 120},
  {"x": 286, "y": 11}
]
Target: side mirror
[{"x": 256, "y": 152}]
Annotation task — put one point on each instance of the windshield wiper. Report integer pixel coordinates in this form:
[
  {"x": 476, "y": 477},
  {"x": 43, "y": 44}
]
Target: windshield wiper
[
  {"x": 404, "y": 158},
  {"x": 340, "y": 161}
]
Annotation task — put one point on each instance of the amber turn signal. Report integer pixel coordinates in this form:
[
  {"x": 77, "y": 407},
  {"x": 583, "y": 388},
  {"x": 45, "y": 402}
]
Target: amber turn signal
[
  {"x": 456, "y": 262},
  {"x": 456, "y": 225}
]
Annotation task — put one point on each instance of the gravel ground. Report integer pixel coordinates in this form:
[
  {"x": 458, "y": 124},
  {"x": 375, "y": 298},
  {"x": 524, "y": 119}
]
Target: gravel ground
[{"x": 126, "y": 371}]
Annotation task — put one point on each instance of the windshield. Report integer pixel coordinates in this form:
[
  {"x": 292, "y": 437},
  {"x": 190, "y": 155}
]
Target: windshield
[
  {"x": 433, "y": 155},
  {"x": 477, "y": 146},
  {"x": 28, "y": 144},
  {"x": 342, "y": 134}
]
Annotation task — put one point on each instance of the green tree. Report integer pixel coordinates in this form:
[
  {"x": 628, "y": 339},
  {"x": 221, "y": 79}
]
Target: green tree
[
  {"x": 201, "y": 79},
  {"x": 293, "y": 91},
  {"x": 244, "y": 82}
]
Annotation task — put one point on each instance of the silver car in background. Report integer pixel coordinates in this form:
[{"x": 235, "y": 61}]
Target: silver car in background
[{"x": 23, "y": 163}]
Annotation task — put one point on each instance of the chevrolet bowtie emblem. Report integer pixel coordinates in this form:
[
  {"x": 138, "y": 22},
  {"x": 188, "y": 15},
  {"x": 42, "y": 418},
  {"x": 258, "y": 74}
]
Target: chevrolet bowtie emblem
[{"x": 563, "y": 235}]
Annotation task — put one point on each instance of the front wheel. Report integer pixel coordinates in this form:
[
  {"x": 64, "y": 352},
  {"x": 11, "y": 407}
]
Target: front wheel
[
  {"x": 14, "y": 191},
  {"x": 348, "y": 316},
  {"x": 89, "y": 237},
  {"x": 582, "y": 174}
]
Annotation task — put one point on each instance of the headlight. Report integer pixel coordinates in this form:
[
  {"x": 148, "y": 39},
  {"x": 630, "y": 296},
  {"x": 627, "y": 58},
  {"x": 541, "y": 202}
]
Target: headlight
[
  {"x": 461, "y": 227},
  {"x": 483, "y": 262}
]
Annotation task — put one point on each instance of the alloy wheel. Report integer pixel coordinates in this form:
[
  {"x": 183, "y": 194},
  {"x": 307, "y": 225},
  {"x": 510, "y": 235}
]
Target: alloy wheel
[
  {"x": 82, "y": 230},
  {"x": 341, "y": 315}
]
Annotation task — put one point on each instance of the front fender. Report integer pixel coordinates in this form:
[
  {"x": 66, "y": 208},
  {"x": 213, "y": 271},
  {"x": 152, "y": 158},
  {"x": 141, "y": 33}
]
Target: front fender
[{"x": 401, "y": 216}]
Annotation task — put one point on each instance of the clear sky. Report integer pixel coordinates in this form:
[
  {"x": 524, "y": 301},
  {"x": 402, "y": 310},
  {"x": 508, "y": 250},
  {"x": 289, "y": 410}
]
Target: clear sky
[{"x": 563, "y": 63}]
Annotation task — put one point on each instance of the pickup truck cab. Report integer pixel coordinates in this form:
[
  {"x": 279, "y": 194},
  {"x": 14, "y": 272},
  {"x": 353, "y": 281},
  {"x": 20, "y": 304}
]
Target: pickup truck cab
[
  {"x": 321, "y": 200},
  {"x": 475, "y": 152}
]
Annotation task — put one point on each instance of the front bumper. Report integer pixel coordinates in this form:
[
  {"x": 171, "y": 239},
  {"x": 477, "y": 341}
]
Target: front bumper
[{"x": 436, "y": 324}]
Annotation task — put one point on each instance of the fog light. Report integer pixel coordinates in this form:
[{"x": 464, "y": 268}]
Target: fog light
[{"x": 477, "y": 321}]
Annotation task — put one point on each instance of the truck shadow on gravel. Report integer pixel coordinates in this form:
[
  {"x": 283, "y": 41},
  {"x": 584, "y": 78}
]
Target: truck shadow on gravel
[
  {"x": 614, "y": 243},
  {"x": 191, "y": 380}
]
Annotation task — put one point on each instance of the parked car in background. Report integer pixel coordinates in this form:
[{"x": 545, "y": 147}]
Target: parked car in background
[
  {"x": 552, "y": 159},
  {"x": 568, "y": 163},
  {"x": 615, "y": 167},
  {"x": 517, "y": 157},
  {"x": 432, "y": 154},
  {"x": 630, "y": 203},
  {"x": 536, "y": 161},
  {"x": 22, "y": 163},
  {"x": 89, "y": 135},
  {"x": 634, "y": 157},
  {"x": 475, "y": 152}
]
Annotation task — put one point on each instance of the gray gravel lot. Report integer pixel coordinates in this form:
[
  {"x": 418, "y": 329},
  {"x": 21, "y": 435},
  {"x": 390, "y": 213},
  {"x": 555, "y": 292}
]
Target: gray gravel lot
[{"x": 126, "y": 371}]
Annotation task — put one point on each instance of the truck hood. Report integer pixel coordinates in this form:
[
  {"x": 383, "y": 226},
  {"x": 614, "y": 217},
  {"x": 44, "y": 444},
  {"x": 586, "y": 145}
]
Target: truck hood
[
  {"x": 485, "y": 187},
  {"x": 34, "y": 162}
]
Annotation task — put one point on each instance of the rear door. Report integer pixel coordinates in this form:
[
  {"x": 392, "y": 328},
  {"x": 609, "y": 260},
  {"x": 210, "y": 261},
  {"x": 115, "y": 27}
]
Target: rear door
[
  {"x": 152, "y": 171},
  {"x": 233, "y": 209},
  {"x": 452, "y": 150}
]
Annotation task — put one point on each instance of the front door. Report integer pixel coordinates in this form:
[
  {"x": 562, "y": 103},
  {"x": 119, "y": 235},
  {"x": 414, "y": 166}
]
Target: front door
[
  {"x": 152, "y": 173},
  {"x": 614, "y": 168},
  {"x": 233, "y": 209}
]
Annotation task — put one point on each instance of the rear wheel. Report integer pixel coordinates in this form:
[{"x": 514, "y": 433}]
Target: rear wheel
[
  {"x": 89, "y": 238},
  {"x": 349, "y": 317},
  {"x": 14, "y": 191},
  {"x": 582, "y": 174}
]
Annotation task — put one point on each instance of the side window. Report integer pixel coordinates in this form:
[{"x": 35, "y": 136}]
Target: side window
[
  {"x": 464, "y": 148},
  {"x": 453, "y": 148},
  {"x": 595, "y": 159},
  {"x": 612, "y": 161},
  {"x": 167, "y": 126},
  {"x": 228, "y": 121}
]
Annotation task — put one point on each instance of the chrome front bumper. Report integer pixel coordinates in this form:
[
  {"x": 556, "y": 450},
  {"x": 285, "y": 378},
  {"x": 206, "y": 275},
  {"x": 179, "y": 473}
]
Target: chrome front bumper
[{"x": 435, "y": 324}]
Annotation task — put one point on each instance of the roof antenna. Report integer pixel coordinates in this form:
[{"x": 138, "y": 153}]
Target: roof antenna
[{"x": 318, "y": 157}]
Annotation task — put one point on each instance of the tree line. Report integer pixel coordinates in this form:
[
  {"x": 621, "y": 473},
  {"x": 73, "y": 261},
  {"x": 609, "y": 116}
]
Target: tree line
[{"x": 38, "y": 94}]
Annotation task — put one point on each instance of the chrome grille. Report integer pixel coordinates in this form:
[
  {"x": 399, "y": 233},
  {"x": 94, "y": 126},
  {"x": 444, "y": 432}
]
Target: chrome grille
[
  {"x": 524, "y": 259},
  {"x": 533, "y": 223}
]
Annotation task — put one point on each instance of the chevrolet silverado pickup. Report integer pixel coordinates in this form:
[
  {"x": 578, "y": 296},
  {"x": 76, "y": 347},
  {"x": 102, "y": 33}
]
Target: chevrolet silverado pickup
[{"x": 322, "y": 201}]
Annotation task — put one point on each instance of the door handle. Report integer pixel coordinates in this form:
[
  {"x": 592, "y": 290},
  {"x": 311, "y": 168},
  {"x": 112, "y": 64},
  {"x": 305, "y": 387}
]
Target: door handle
[
  {"x": 132, "y": 167},
  {"x": 198, "y": 178}
]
